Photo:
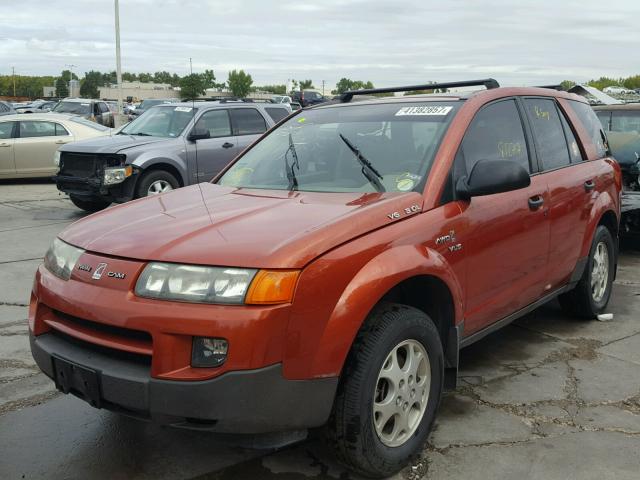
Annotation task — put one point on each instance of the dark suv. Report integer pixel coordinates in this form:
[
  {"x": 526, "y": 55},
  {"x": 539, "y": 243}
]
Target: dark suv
[
  {"x": 307, "y": 97},
  {"x": 95, "y": 110},
  {"x": 622, "y": 124}
]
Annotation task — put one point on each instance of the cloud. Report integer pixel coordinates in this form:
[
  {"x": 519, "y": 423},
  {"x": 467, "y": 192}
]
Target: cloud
[{"x": 389, "y": 43}]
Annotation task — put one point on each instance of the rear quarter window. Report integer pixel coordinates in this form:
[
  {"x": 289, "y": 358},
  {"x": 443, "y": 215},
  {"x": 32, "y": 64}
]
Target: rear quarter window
[{"x": 593, "y": 126}]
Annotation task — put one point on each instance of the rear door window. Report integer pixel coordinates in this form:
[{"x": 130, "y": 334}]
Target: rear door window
[
  {"x": 30, "y": 129},
  {"x": 593, "y": 126},
  {"x": 60, "y": 130},
  {"x": 551, "y": 143},
  {"x": 277, "y": 114},
  {"x": 496, "y": 133},
  {"x": 248, "y": 121}
]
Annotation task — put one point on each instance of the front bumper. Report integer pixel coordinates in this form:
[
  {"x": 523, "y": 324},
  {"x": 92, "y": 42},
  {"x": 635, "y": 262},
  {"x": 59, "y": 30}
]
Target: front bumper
[
  {"x": 248, "y": 402},
  {"x": 90, "y": 188}
]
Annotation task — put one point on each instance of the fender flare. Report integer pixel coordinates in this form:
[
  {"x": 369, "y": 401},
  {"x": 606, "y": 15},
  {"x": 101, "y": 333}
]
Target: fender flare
[
  {"x": 377, "y": 277},
  {"x": 603, "y": 204}
]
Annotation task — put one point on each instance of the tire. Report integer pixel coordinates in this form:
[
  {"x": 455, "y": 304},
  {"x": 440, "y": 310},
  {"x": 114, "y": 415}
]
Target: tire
[
  {"x": 585, "y": 300},
  {"x": 89, "y": 205},
  {"x": 153, "y": 178},
  {"x": 351, "y": 430}
]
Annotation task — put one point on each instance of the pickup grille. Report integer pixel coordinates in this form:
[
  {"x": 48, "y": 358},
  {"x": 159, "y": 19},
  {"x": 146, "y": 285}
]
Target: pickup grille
[{"x": 78, "y": 164}]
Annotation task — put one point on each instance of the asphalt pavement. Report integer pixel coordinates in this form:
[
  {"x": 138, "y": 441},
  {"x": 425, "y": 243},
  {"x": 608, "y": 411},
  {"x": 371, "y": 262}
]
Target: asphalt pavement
[{"x": 548, "y": 397}]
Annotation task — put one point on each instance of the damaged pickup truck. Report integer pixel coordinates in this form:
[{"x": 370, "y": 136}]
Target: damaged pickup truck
[{"x": 622, "y": 124}]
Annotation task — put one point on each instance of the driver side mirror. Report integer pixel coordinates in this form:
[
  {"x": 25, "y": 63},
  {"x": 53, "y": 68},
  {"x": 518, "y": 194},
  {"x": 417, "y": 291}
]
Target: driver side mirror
[
  {"x": 492, "y": 176},
  {"x": 199, "y": 135}
]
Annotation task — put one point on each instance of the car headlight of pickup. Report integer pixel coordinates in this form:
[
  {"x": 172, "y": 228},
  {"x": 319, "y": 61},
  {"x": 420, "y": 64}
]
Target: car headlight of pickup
[
  {"x": 218, "y": 285},
  {"x": 61, "y": 258},
  {"x": 115, "y": 175}
]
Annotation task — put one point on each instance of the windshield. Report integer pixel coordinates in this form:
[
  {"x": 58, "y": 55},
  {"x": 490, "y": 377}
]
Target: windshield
[
  {"x": 363, "y": 148},
  {"x": 164, "y": 121},
  {"x": 78, "y": 108}
]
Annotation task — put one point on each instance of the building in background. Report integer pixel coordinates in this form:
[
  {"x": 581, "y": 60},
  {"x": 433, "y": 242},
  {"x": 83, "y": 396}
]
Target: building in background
[{"x": 139, "y": 91}]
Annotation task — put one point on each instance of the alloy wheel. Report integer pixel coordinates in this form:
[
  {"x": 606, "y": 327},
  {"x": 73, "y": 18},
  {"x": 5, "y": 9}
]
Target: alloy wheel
[
  {"x": 402, "y": 393},
  {"x": 159, "y": 186},
  {"x": 600, "y": 272}
]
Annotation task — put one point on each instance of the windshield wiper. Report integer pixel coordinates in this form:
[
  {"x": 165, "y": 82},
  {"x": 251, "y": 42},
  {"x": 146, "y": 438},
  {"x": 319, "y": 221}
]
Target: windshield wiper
[
  {"x": 368, "y": 170},
  {"x": 291, "y": 175},
  {"x": 142, "y": 134}
]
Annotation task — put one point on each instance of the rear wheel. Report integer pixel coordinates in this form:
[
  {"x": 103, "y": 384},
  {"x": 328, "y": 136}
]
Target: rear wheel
[
  {"x": 591, "y": 295},
  {"x": 389, "y": 392},
  {"x": 89, "y": 205},
  {"x": 156, "y": 182}
]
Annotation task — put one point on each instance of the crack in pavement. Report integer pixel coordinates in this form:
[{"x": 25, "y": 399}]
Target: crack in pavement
[
  {"x": 21, "y": 260},
  {"x": 13, "y": 229},
  {"x": 13, "y": 304}
]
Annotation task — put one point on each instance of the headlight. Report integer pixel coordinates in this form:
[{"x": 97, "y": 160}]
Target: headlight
[
  {"x": 117, "y": 174},
  {"x": 61, "y": 258},
  {"x": 56, "y": 159},
  {"x": 194, "y": 283}
]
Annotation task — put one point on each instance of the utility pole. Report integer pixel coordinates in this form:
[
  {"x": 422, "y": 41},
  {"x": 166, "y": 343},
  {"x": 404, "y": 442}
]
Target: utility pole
[
  {"x": 118, "y": 65},
  {"x": 70, "y": 76},
  {"x": 13, "y": 71},
  {"x": 323, "y": 88}
]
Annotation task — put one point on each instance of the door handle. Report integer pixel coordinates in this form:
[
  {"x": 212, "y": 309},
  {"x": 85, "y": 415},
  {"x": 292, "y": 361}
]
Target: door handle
[
  {"x": 589, "y": 185},
  {"x": 60, "y": 142},
  {"x": 535, "y": 202},
  {"x": 5, "y": 144},
  {"x": 227, "y": 145}
]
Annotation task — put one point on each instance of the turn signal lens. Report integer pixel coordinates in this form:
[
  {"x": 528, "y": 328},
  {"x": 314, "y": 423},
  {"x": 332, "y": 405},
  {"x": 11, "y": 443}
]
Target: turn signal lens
[{"x": 272, "y": 287}]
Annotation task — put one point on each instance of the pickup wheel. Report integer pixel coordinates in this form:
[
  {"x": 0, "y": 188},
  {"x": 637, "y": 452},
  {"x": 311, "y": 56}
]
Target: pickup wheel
[
  {"x": 389, "y": 391},
  {"x": 591, "y": 295},
  {"x": 89, "y": 205},
  {"x": 155, "y": 182}
]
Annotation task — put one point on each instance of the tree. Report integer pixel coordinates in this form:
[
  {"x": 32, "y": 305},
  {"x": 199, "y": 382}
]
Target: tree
[
  {"x": 275, "y": 89},
  {"x": 208, "y": 79},
  {"x": 239, "y": 83},
  {"x": 67, "y": 75},
  {"x": 145, "y": 77},
  {"x": 306, "y": 84},
  {"x": 62, "y": 88},
  {"x": 162, "y": 77},
  {"x": 567, "y": 84},
  {"x": 89, "y": 85},
  {"x": 192, "y": 86},
  {"x": 346, "y": 84}
]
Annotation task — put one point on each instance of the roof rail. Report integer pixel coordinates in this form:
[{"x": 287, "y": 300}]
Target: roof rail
[{"x": 487, "y": 82}]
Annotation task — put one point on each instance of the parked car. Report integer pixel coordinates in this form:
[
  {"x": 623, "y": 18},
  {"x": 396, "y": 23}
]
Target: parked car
[
  {"x": 147, "y": 104},
  {"x": 41, "y": 106},
  {"x": 622, "y": 124},
  {"x": 332, "y": 272},
  {"x": 28, "y": 144},
  {"x": 94, "y": 110},
  {"x": 6, "y": 108},
  {"x": 307, "y": 97},
  {"x": 616, "y": 89},
  {"x": 281, "y": 99},
  {"x": 170, "y": 146},
  {"x": 295, "y": 106}
]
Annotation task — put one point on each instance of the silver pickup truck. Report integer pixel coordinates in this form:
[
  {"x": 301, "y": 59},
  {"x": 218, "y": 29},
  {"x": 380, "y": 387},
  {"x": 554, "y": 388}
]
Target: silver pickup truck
[{"x": 167, "y": 147}]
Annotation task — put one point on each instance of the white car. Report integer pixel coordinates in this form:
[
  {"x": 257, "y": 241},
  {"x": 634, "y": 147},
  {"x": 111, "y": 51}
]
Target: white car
[
  {"x": 28, "y": 144},
  {"x": 281, "y": 99},
  {"x": 615, "y": 89}
]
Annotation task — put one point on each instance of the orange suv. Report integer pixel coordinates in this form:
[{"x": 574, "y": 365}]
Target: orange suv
[{"x": 331, "y": 274}]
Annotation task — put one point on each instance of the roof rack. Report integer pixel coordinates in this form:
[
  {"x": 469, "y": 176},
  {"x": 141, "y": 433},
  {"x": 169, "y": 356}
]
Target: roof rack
[{"x": 487, "y": 82}]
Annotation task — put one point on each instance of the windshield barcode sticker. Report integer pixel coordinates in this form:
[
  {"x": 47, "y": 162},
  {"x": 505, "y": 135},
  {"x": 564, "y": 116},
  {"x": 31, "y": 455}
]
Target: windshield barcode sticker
[
  {"x": 425, "y": 110},
  {"x": 182, "y": 109}
]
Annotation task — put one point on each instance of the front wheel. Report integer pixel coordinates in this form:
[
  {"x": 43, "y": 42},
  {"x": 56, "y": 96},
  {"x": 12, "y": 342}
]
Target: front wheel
[
  {"x": 592, "y": 293},
  {"x": 155, "y": 182},
  {"x": 389, "y": 391}
]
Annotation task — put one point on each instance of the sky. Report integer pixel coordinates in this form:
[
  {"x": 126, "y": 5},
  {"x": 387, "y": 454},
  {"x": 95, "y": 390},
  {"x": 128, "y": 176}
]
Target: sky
[{"x": 389, "y": 43}]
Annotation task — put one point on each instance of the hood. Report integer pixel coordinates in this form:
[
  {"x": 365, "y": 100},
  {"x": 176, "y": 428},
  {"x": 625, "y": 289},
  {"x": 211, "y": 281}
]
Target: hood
[
  {"x": 213, "y": 225},
  {"x": 111, "y": 144}
]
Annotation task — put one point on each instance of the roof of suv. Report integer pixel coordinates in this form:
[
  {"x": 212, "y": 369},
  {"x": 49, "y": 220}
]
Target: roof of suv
[
  {"x": 464, "y": 95},
  {"x": 621, "y": 106}
]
